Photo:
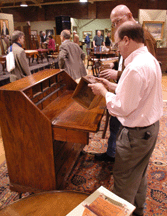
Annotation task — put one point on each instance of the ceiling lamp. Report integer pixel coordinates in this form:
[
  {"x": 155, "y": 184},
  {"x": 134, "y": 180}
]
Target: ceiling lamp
[
  {"x": 23, "y": 4},
  {"x": 83, "y": 0}
]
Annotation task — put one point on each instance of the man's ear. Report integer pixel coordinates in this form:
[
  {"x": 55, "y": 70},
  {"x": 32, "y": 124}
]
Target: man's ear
[
  {"x": 129, "y": 15},
  {"x": 126, "y": 39}
]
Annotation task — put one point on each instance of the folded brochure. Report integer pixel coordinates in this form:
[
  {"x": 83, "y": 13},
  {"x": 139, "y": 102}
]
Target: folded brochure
[{"x": 103, "y": 203}]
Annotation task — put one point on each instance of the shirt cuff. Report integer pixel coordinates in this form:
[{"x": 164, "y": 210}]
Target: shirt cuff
[{"x": 108, "y": 96}]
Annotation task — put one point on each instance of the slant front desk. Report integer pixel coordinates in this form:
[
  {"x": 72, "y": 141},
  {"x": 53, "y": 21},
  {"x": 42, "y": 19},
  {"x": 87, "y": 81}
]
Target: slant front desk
[{"x": 44, "y": 129}]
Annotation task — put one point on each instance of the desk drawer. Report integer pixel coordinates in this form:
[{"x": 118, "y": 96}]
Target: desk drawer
[{"x": 68, "y": 135}]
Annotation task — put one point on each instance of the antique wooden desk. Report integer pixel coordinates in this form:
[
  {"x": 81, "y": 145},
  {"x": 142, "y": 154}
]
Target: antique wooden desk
[
  {"x": 51, "y": 203},
  {"x": 104, "y": 54},
  {"x": 44, "y": 129},
  {"x": 30, "y": 54}
]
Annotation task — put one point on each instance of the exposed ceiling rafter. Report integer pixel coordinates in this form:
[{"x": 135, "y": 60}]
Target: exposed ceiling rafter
[{"x": 40, "y": 3}]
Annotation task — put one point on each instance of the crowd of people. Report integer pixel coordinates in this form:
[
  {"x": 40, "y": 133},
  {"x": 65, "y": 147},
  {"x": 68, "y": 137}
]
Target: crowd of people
[{"x": 136, "y": 105}]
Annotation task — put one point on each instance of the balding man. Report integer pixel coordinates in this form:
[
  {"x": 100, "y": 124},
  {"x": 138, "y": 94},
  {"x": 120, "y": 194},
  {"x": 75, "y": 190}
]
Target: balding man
[
  {"x": 119, "y": 15},
  {"x": 98, "y": 40},
  {"x": 71, "y": 56},
  {"x": 138, "y": 105}
]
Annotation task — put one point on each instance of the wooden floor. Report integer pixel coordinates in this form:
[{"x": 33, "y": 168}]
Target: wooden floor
[{"x": 164, "y": 92}]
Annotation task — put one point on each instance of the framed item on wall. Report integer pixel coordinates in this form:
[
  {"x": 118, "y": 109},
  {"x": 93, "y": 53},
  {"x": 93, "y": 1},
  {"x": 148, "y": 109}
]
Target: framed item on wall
[
  {"x": 87, "y": 32},
  {"x": 102, "y": 32},
  {"x": 106, "y": 30},
  {"x": 49, "y": 32},
  {"x": 4, "y": 27},
  {"x": 34, "y": 32},
  {"x": 156, "y": 28}
]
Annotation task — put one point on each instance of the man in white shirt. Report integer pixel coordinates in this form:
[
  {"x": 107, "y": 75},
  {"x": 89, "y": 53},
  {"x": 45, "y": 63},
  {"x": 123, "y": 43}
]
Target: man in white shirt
[
  {"x": 138, "y": 106},
  {"x": 119, "y": 15}
]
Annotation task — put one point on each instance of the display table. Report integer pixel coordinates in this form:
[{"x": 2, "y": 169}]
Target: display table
[
  {"x": 42, "y": 53},
  {"x": 104, "y": 54},
  {"x": 51, "y": 203},
  {"x": 31, "y": 54}
]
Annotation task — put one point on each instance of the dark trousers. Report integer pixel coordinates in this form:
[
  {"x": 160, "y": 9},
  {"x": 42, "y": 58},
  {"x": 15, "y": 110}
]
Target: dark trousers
[
  {"x": 114, "y": 128},
  {"x": 133, "y": 150}
]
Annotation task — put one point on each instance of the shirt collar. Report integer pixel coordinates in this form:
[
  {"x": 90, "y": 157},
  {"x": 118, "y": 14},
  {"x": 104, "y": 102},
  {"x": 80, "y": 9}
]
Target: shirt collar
[
  {"x": 65, "y": 41},
  {"x": 130, "y": 58},
  {"x": 18, "y": 44}
]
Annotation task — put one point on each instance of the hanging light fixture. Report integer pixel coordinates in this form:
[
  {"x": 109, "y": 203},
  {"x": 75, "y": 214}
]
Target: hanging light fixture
[
  {"x": 23, "y": 4},
  {"x": 83, "y": 0}
]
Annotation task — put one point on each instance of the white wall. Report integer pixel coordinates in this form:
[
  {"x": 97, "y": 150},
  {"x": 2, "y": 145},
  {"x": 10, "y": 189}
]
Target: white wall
[{"x": 91, "y": 25}]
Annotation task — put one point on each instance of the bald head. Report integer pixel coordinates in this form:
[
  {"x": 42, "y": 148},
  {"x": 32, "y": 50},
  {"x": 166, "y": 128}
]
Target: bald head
[
  {"x": 98, "y": 33},
  {"x": 120, "y": 14},
  {"x": 66, "y": 34}
]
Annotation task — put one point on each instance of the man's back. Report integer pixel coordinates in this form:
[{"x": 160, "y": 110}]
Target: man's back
[
  {"x": 71, "y": 59},
  {"x": 21, "y": 65}
]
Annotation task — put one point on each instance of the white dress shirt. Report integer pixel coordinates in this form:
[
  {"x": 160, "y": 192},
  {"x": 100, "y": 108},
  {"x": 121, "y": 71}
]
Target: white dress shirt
[{"x": 138, "y": 99}]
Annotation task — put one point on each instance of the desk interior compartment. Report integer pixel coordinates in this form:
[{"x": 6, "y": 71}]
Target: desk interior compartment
[{"x": 84, "y": 95}]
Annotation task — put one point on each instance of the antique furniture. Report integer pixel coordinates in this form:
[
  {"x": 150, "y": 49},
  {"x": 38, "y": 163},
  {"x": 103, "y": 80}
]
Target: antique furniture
[
  {"x": 84, "y": 95},
  {"x": 31, "y": 54},
  {"x": 3, "y": 62},
  {"x": 161, "y": 54},
  {"x": 104, "y": 54},
  {"x": 49, "y": 203},
  {"x": 44, "y": 129},
  {"x": 42, "y": 53}
]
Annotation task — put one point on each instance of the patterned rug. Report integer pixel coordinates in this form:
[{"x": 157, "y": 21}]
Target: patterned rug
[{"x": 89, "y": 174}]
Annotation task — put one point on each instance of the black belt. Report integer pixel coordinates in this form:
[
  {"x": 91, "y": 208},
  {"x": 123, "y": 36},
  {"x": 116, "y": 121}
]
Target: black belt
[{"x": 139, "y": 128}]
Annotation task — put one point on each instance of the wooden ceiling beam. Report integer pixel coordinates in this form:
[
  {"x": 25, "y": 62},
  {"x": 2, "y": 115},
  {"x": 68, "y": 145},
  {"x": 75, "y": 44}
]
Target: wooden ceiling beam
[{"x": 41, "y": 3}]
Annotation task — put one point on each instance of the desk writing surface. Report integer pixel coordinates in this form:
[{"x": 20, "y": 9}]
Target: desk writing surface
[{"x": 70, "y": 115}]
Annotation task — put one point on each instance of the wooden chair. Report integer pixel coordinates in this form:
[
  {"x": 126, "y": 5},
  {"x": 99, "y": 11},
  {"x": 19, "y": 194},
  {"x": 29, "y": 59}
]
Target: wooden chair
[
  {"x": 3, "y": 63},
  {"x": 88, "y": 51},
  {"x": 93, "y": 60}
]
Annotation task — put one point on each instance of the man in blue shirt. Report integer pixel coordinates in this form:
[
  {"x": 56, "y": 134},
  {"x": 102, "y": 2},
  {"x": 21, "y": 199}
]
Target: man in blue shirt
[{"x": 98, "y": 40}]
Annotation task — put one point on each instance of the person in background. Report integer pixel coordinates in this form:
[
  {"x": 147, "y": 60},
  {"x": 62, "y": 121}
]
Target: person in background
[
  {"x": 138, "y": 105},
  {"x": 51, "y": 44},
  {"x": 98, "y": 40},
  {"x": 76, "y": 39},
  {"x": 71, "y": 57},
  {"x": 87, "y": 41},
  {"x": 43, "y": 39},
  {"x": 119, "y": 15},
  {"x": 108, "y": 40},
  {"x": 21, "y": 65}
]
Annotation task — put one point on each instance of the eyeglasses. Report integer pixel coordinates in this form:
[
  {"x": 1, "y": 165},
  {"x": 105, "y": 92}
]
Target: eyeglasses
[
  {"x": 116, "y": 45},
  {"x": 114, "y": 24}
]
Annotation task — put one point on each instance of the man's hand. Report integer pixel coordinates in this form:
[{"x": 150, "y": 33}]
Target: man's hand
[
  {"x": 109, "y": 85},
  {"x": 98, "y": 89},
  {"x": 109, "y": 74}
]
